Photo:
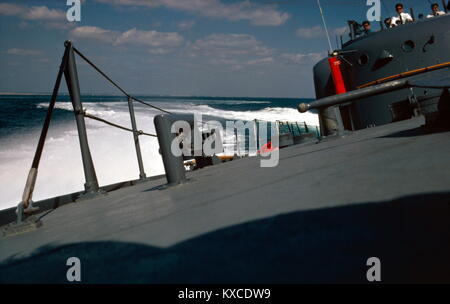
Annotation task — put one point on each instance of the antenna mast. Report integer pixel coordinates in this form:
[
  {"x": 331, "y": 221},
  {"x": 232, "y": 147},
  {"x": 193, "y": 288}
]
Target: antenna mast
[{"x": 325, "y": 26}]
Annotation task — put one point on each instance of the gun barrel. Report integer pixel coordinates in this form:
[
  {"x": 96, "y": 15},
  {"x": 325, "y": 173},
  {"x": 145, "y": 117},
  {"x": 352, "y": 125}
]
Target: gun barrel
[{"x": 353, "y": 95}]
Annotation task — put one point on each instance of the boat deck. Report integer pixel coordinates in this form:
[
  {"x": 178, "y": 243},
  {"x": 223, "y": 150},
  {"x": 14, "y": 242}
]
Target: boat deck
[{"x": 316, "y": 217}]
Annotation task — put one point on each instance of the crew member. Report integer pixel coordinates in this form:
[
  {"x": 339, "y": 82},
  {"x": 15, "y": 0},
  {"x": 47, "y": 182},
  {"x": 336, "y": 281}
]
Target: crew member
[
  {"x": 435, "y": 11},
  {"x": 366, "y": 27},
  {"x": 401, "y": 17}
]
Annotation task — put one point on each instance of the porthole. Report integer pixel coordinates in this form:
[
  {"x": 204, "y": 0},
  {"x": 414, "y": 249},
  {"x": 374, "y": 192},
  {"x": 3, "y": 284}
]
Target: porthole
[
  {"x": 408, "y": 46},
  {"x": 363, "y": 59}
]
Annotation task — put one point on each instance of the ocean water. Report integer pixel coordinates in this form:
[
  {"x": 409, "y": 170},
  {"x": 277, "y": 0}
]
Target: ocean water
[{"x": 60, "y": 170}]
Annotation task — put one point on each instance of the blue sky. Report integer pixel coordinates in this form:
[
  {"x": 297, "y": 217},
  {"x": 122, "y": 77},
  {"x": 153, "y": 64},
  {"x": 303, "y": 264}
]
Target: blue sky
[{"x": 261, "y": 48}]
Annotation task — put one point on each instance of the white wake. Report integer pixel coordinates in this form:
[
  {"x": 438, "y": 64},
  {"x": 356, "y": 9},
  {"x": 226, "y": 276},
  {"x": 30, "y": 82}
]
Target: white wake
[{"x": 112, "y": 149}]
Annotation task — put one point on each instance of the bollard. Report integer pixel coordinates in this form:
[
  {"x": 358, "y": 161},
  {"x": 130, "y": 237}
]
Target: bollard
[
  {"x": 71, "y": 75},
  {"x": 142, "y": 175},
  {"x": 173, "y": 165}
]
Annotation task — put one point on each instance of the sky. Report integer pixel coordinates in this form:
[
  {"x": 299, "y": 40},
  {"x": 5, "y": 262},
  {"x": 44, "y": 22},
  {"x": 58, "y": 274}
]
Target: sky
[{"x": 258, "y": 48}]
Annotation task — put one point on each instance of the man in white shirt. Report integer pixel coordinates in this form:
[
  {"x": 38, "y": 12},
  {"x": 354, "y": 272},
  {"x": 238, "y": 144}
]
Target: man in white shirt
[
  {"x": 435, "y": 11},
  {"x": 401, "y": 17}
]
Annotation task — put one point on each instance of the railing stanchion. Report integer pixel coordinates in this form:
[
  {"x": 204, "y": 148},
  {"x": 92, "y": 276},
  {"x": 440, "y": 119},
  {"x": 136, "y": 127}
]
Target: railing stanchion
[
  {"x": 298, "y": 129},
  {"x": 142, "y": 175},
  {"x": 256, "y": 124},
  {"x": 290, "y": 128},
  {"x": 237, "y": 148},
  {"x": 71, "y": 75}
]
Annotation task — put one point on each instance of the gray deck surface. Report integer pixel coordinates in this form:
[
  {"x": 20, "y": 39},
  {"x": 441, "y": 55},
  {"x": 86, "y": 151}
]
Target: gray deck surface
[{"x": 316, "y": 217}]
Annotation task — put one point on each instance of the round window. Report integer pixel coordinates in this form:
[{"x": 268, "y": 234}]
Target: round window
[
  {"x": 408, "y": 46},
  {"x": 363, "y": 59}
]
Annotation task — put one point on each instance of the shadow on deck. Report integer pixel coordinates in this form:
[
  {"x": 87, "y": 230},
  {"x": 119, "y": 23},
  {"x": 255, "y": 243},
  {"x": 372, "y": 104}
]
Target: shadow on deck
[{"x": 410, "y": 235}]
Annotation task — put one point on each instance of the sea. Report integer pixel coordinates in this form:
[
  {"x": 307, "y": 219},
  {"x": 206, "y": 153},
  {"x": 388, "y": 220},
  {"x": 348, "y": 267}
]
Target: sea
[{"x": 113, "y": 152}]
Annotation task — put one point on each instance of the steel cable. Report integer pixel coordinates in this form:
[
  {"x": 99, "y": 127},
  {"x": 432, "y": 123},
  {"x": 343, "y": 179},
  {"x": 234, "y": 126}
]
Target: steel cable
[
  {"x": 140, "y": 132},
  {"x": 149, "y": 105},
  {"x": 115, "y": 84}
]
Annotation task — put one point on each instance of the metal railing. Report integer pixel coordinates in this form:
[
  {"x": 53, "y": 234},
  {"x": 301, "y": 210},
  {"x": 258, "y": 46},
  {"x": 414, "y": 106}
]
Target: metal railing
[
  {"x": 91, "y": 186},
  {"x": 174, "y": 168},
  {"x": 254, "y": 142}
]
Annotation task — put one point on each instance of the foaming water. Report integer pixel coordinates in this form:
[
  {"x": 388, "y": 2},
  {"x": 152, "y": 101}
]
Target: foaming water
[{"x": 112, "y": 149}]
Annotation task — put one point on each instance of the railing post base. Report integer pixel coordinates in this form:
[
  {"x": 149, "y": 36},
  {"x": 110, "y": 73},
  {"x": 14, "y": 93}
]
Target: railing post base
[
  {"x": 24, "y": 223},
  {"x": 90, "y": 195}
]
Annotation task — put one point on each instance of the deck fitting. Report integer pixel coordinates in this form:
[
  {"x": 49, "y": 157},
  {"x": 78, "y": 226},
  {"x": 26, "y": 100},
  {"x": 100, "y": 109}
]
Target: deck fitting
[{"x": 29, "y": 224}]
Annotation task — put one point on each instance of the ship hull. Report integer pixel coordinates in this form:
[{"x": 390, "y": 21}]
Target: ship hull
[{"x": 415, "y": 46}]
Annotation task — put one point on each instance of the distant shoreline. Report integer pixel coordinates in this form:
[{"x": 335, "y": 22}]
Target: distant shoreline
[
  {"x": 159, "y": 96},
  {"x": 15, "y": 93}
]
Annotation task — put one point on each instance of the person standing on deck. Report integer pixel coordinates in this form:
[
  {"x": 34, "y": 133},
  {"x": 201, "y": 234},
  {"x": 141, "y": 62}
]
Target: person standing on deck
[
  {"x": 401, "y": 17},
  {"x": 366, "y": 27},
  {"x": 435, "y": 11}
]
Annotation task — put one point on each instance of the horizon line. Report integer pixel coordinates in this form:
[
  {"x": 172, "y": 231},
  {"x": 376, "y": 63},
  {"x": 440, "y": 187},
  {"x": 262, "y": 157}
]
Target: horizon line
[{"x": 146, "y": 95}]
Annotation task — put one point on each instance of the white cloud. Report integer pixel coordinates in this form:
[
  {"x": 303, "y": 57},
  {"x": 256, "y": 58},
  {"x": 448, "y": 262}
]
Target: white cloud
[
  {"x": 318, "y": 31},
  {"x": 230, "y": 51},
  {"x": 310, "y": 32},
  {"x": 32, "y": 13},
  {"x": 11, "y": 9},
  {"x": 23, "y": 52},
  {"x": 303, "y": 58},
  {"x": 44, "y": 13},
  {"x": 260, "y": 61},
  {"x": 340, "y": 30},
  {"x": 224, "y": 45},
  {"x": 239, "y": 51},
  {"x": 256, "y": 14},
  {"x": 54, "y": 18},
  {"x": 185, "y": 25},
  {"x": 94, "y": 33},
  {"x": 149, "y": 38},
  {"x": 160, "y": 51},
  {"x": 159, "y": 42}
]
